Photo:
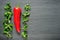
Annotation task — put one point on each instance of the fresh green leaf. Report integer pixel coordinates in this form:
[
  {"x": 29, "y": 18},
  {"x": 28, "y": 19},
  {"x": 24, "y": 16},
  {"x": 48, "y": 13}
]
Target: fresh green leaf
[
  {"x": 27, "y": 7},
  {"x": 25, "y": 27},
  {"x": 26, "y": 14},
  {"x": 24, "y": 35},
  {"x": 8, "y": 15},
  {"x": 6, "y": 7},
  {"x": 25, "y": 19},
  {"x": 8, "y": 3},
  {"x": 6, "y": 21}
]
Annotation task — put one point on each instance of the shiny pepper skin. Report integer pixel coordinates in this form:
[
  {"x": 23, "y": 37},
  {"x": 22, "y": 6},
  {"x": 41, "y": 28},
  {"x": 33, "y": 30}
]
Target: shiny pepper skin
[{"x": 17, "y": 18}]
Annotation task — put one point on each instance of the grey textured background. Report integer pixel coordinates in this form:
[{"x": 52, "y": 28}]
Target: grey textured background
[{"x": 44, "y": 23}]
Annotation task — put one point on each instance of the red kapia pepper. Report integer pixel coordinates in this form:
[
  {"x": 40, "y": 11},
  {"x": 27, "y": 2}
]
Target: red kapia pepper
[{"x": 17, "y": 18}]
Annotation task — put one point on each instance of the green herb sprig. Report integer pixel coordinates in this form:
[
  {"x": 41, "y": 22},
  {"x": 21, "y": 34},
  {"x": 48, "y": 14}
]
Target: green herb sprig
[
  {"x": 25, "y": 19},
  {"x": 8, "y": 26}
]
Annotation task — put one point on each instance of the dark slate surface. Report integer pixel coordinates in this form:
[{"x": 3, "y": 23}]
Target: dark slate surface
[{"x": 44, "y": 21}]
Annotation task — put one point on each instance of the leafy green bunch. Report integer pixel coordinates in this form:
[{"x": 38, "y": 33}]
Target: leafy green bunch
[
  {"x": 25, "y": 19},
  {"x": 8, "y": 26}
]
